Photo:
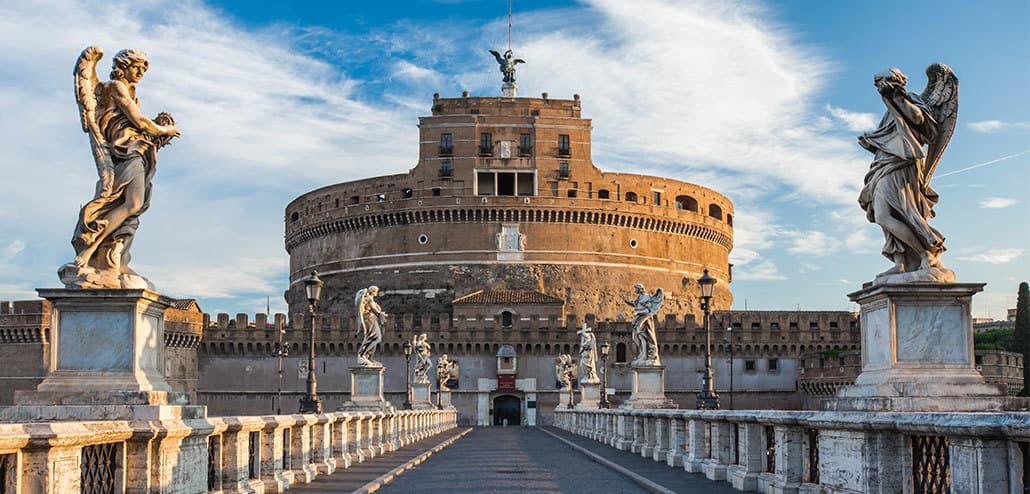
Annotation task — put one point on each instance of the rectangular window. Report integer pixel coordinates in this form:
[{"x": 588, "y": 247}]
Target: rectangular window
[
  {"x": 755, "y": 326},
  {"x": 485, "y": 183},
  {"x": 505, "y": 184},
  {"x": 793, "y": 326},
  {"x": 446, "y": 145},
  {"x": 525, "y": 145},
  {"x": 446, "y": 168},
  {"x": 657, "y": 198},
  {"x": 486, "y": 143},
  {"x": 526, "y": 186},
  {"x": 774, "y": 365},
  {"x": 563, "y": 145},
  {"x": 775, "y": 326},
  {"x": 749, "y": 365},
  {"x": 563, "y": 170},
  {"x": 814, "y": 326},
  {"x": 834, "y": 326}
]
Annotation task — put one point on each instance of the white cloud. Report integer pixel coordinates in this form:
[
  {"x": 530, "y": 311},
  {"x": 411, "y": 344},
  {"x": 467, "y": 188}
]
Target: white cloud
[
  {"x": 855, "y": 121},
  {"x": 406, "y": 70},
  {"x": 765, "y": 270},
  {"x": 813, "y": 243},
  {"x": 998, "y": 202},
  {"x": 992, "y": 256},
  {"x": 17, "y": 246},
  {"x": 988, "y": 126}
]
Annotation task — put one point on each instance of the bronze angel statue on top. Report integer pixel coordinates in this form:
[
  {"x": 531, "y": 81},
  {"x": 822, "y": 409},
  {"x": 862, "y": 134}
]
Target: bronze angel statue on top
[
  {"x": 507, "y": 65},
  {"x": 124, "y": 145},
  {"x": 907, "y": 146}
]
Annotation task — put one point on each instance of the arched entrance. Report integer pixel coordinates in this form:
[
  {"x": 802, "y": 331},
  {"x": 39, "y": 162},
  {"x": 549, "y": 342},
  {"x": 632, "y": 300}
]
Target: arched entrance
[{"x": 507, "y": 407}]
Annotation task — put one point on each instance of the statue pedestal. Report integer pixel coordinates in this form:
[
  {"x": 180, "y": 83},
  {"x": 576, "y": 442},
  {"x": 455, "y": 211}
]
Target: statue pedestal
[
  {"x": 509, "y": 90},
  {"x": 422, "y": 396},
  {"x": 366, "y": 389},
  {"x": 564, "y": 397},
  {"x": 917, "y": 352},
  {"x": 445, "y": 399},
  {"x": 589, "y": 395},
  {"x": 648, "y": 388},
  {"x": 106, "y": 360}
]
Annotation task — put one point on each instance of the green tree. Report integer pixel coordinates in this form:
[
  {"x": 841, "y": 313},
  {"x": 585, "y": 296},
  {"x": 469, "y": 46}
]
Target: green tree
[{"x": 1022, "y": 332}]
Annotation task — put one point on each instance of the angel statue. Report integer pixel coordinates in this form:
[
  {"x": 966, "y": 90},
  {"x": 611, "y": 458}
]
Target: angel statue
[
  {"x": 124, "y": 145},
  {"x": 507, "y": 65},
  {"x": 443, "y": 371},
  {"x": 897, "y": 195},
  {"x": 565, "y": 371},
  {"x": 645, "y": 307},
  {"x": 422, "y": 362},
  {"x": 587, "y": 355},
  {"x": 371, "y": 319}
]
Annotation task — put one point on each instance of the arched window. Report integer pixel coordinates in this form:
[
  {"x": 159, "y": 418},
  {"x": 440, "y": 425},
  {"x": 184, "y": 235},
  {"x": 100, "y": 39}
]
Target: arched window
[
  {"x": 729, "y": 219},
  {"x": 631, "y": 197},
  {"x": 686, "y": 202},
  {"x": 620, "y": 353},
  {"x": 715, "y": 211},
  {"x": 603, "y": 194}
]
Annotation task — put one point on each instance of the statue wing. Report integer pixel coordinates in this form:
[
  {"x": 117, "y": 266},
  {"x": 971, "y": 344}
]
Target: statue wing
[
  {"x": 357, "y": 307},
  {"x": 656, "y": 301},
  {"x": 498, "y": 56},
  {"x": 517, "y": 61},
  {"x": 941, "y": 95},
  {"x": 87, "y": 85}
]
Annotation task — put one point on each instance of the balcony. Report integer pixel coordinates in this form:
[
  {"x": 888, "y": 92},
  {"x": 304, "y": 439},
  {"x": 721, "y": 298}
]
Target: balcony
[
  {"x": 446, "y": 151},
  {"x": 486, "y": 150}
]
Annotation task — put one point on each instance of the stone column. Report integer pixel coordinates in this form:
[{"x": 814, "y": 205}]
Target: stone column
[
  {"x": 661, "y": 438},
  {"x": 677, "y": 439},
  {"x": 637, "y": 433},
  {"x": 275, "y": 478},
  {"x": 696, "y": 454},
  {"x": 300, "y": 450},
  {"x": 321, "y": 447},
  {"x": 341, "y": 440},
  {"x": 356, "y": 445},
  {"x": 624, "y": 432},
  {"x": 722, "y": 451},
  {"x": 744, "y": 475}
]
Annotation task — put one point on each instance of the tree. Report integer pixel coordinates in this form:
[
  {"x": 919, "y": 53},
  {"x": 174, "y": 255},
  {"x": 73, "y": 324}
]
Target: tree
[{"x": 1022, "y": 332}]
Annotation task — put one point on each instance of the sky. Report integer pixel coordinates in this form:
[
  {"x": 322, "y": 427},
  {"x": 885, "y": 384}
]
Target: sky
[{"x": 761, "y": 101}]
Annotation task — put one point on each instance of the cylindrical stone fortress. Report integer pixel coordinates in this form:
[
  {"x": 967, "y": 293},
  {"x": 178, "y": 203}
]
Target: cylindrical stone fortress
[{"x": 505, "y": 197}]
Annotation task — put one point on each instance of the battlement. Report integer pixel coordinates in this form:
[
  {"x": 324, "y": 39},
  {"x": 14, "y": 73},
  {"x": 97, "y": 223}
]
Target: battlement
[{"x": 544, "y": 106}]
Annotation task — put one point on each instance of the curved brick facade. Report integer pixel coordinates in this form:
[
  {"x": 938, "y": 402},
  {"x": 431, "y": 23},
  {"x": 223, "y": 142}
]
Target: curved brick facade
[{"x": 505, "y": 196}]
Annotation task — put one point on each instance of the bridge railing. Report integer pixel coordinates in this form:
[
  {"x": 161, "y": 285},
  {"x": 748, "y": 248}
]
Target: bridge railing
[
  {"x": 253, "y": 454},
  {"x": 825, "y": 452}
]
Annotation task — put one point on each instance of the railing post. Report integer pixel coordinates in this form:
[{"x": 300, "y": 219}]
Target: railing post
[
  {"x": 624, "y": 427},
  {"x": 790, "y": 454},
  {"x": 674, "y": 458},
  {"x": 341, "y": 438},
  {"x": 638, "y": 433},
  {"x": 983, "y": 465},
  {"x": 661, "y": 438},
  {"x": 300, "y": 462},
  {"x": 696, "y": 454},
  {"x": 357, "y": 442},
  {"x": 722, "y": 451},
  {"x": 275, "y": 478},
  {"x": 321, "y": 447},
  {"x": 744, "y": 475}
]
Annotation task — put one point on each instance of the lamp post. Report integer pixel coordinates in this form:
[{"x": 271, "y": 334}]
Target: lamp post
[
  {"x": 407, "y": 375},
  {"x": 283, "y": 350},
  {"x": 310, "y": 403},
  {"x": 604, "y": 375},
  {"x": 707, "y": 399},
  {"x": 729, "y": 333}
]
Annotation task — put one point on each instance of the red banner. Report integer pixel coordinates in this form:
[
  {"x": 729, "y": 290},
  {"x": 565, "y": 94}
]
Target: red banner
[{"x": 506, "y": 382}]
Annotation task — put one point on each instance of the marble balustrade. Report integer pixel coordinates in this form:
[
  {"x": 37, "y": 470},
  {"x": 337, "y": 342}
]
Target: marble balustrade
[
  {"x": 252, "y": 454},
  {"x": 780, "y": 452}
]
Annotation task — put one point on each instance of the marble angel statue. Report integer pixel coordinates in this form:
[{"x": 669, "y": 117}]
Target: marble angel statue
[
  {"x": 506, "y": 64},
  {"x": 587, "y": 355},
  {"x": 907, "y": 146},
  {"x": 443, "y": 371},
  {"x": 422, "y": 362},
  {"x": 371, "y": 319},
  {"x": 565, "y": 371},
  {"x": 124, "y": 145},
  {"x": 645, "y": 308}
]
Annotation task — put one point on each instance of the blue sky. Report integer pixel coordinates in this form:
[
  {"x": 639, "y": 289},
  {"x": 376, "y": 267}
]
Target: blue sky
[{"x": 759, "y": 100}]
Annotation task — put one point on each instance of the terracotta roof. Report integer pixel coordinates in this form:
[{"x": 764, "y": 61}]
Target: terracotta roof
[
  {"x": 484, "y": 297},
  {"x": 189, "y": 304}
]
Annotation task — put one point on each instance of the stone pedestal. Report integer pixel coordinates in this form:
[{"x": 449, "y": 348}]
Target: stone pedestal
[
  {"x": 917, "y": 352},
  {"x": 589, "y": 395},
  {"x": 509, "y": 90},
  {"x": 648, "y": 388},
  {"x": 366, "y": 389},
  {"x": 564, "y": 397},
  {"x": 422, "y": 396},
  {"x": 106, "y": 360},
  {"x": 445, "y": 399}
]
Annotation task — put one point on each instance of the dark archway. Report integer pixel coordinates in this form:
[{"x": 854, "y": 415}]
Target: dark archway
[{"x": 507, "y": 407}]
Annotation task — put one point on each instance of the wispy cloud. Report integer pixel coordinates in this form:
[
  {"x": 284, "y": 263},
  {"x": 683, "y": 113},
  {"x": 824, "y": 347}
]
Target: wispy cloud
[
  {"x": 855, "y": 121},
  {"x": 992, "y": 256},
  {"x": 988, "y": 126},
  {"x": 765, "y": 270},
  {"x": 813, "y": 243},
  {"x": 981, "y": 165},
  {"x": 998, "y": 202}
]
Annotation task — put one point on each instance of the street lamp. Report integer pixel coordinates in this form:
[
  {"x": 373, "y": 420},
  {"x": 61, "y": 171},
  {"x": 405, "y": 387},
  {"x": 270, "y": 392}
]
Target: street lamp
[
  {"x": 407, "y": 375},
  {"x": 707, "y": 398},
  {"x": 604, "y": 375},
  {"x": 729, "y": 334},
  {"x": 310, "y": 403},
  {"x": 282, "y": 350}
]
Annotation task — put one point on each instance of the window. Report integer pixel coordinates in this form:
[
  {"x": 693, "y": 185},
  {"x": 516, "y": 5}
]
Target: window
[
  {"x": 572, "y": 192},
  {"x": 505, "y": 183},
  {"x": 563, "y": 169},
  {"x": 813, "y": 326},
  {"x": 563, "y": 145},
  {"x": 774, "y": 365},
  {"x": 775, "y": 326},
  {"x": 729, "y": 219},
  {"x": 656, "y": 198},
  {"x": 603, "y": 194},
  {"x": 715, "y": 211},
  {"x": 436, "y": 191},
  {"x": 294, "y": 217},
  {"x": 686, "y": 202},
  {"x": 355, "y": 199},
  {"x": 793, "y": 326},
  {"x": 486, "y": 143},
  {"x": 485, "y": 183},
  {"x": 756, "y": 326},
  {"x": 446, "y": 168},
  {"x": 620, "y": 353},
  {"x": 506, "y": 319},
  {"x": 525, "y": 145},
  {"x": 749, "y": 366},
  {"x": 408, "y": 193},
  {"x": 446, "y": 145},
  {"x": 834, "y": 326}
]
